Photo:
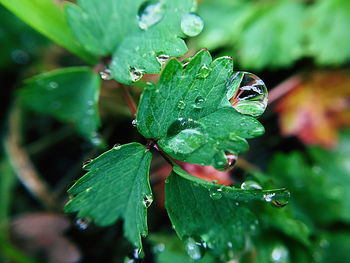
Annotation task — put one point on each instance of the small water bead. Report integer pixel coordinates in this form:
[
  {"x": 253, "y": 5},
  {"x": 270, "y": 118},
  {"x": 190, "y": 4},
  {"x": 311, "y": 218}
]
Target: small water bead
[
  {"x": 117, "y": 146},
  {"x": 159, "y": 248},
  {"x": 150, "y": 13},
  {"x": 247, "y": 94},
  {"x": 203, "y": 72},
  {"x": 162, "y": 58},
  {"x": 86, "y": 163},
  {"x": 250, "y": 185},
  {"x": 52, "y": 85},
  {"x": 181, "y": 104},
  {"x": 134, "y": 123},
  {"x": 215, "y": 193},
  {"x": 135, "y": 74},
  {"x": 106, "y": 74},
  {"x": 195, "y": 247},
  {"x": 82, "y": 223},
  {"x": 191, "y": 24},
  {"x": 147, "y": 200},
  {"x": 280, "y": 254},
  {"x": 231, "y": 160},
  {"x": 199, "y": 102},
  {"x": 138, "y": 253}
]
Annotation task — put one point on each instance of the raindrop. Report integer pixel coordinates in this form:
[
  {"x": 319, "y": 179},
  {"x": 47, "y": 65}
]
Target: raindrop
[
  {"x": 191, "y": 24},
  {"x": 198, "y": 103},
  {"x": 280, "y": 254},
  {"x": 181, "y": 104},
  {"x": 82, "y": 223},
  {"x": 138, "y": 253},
  {"x": 250, "y": 185},
  {"x": 135, "y": 74},
  {"x": 116, "y": 146},
  {"x": 247, "y": 93},
  {"x": 195, "y": 247},
  {"x": 162, "y": 58},
  {"x": 150, "y": 13},
  {"x": 106, "y": 74},
  {"x": 52, "y": 85},
  {"x": 134, "y": 123},
  {"x": 86, "y": 163},
  {"x": 215, "y": 193},
  {"x": 203, "y": 72},
  {"x": 147, "y": 200}
]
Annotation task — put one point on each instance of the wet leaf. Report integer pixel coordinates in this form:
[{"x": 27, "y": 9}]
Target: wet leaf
[
  {"x": 69, "y": 95},
  {"x": 226, "y": 219},
  {"x": 190, "y": 115},
  {"x": 317, "y": 107},
  {"x": 134, "y": 34},
  {"x": 116, "y": 186}
]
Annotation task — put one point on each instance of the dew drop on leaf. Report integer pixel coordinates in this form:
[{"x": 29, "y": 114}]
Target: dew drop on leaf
[
  {"x": 150, "y": 13},
  {"x": 195, "y": 247},
  {"x": 116, "y": 146},
  {"x": 247, "y": 94},
  {"x": 191, "y": 24},
  {"x": 135, "y": 74},
  {"x": 280, "y": 254},
  {"x": 203, "y": 72},
  {"x": 106, "y": 74},
  {"x": 134, "y": 123},
  {"x": 250, "y": 185},
  {"x": 215, "y": 193},
  {"x": 162, "y": 58},
  {"x": 82, "y": 223},
  {"x": 86, "y": 163},
  {"x": 52, "y": 85},
  {"x": 138, "y": 253},
  {"x": 279, "y": 199},
  {"x": 181, "y": 105},
  {"x": 198, "y": 103},
  {"x": 147, "y": 200}
]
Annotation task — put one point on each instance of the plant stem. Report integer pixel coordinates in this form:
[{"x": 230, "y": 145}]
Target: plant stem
[
  {"x": 284, "y": 87},
  {"x": 129, "y": 100}
]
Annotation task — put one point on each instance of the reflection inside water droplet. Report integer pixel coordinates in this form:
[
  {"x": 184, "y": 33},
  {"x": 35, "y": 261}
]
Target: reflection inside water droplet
[
  {"x": 135, "y": 74},
  {"x": 147, "y": 200},
  {"x": 150, "y": 13},
  {"x": 162, "y": 58},
  {"x": 224, "y": 161},
  {"x": 247, "y": 93},
  {"x": 191, "y": 25},
  {"x": 86, "y": 163},
  {"x": 215, "y": 193},
  {"x": 134, "y": 123},
  {"x": 203, "y": 72},
  {"x": 106, "y": 74},
  {"x": 82, "y": 223},
  {"x": 195, "y": 247}
]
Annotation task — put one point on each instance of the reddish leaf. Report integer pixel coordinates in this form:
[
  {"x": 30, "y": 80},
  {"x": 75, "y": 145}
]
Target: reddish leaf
[{"x": 316, "y": 107}]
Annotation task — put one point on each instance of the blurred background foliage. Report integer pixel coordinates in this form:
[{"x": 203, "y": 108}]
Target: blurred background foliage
[{"x": 300, "y": 48}]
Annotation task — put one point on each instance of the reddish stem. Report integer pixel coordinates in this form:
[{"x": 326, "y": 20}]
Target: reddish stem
[
  {"x": 284, "y": 87},
  {"x": 129, "y": 100}
]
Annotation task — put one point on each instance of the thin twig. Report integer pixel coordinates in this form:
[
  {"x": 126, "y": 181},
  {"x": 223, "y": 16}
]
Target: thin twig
[
  {"x": 22, "y": 164},
  {"x": 129, "y": 100},
  {"x": 284, "y": 87}
]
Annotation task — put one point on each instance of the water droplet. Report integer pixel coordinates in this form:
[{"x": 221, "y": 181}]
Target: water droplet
[
  {"x": 215, "y": 181},
  {"x": 280, "y": 253},
  {"x": 229, "y": 244},
  {"x": 191, "y": 24},
  {"x": 86, "y": 163},
  {"x": 150, "y": 13},
  {"x": 159, "y": 248},
  {"x": 195, "y": 247},
  {"x": 250, "y": 185},
  {"x": 147, "y": 200},
  {"x": 231, "y": 160},
  {"x": 215, "y": 193},
  {"x": 134, "y": 123},
  {"x": 82, "y": 223},
  {"x": 203, "y": 72},
  {"x": 138, "y": 253},
  {"x": 247, "y": 94},
  {"x": 184, "y": 136},
  {"x": 181, "y": 105},
  {"x": 90, "y": 102},
  {"x": 268, "y": 197},
  {"x": 52, "y": 85},
  {"x": 199, "y": 102},
  {"x": 135, "y": 74},
  {"x": 237, "y": 204},
  {"x": 162, "y": 58},
  {"x": 106, "y": 74},
  {"x": 116, "y": 146}
]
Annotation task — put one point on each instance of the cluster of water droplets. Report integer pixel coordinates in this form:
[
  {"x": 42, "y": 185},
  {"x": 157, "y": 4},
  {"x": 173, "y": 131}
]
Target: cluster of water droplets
[{"x": 247, "y": 94}]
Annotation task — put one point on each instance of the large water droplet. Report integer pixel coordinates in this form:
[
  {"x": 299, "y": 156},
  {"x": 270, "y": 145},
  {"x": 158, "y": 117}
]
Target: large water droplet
[
  {"x": 150, "y": 13},
  {"x": 191, "y": 24},
  {"x": 106, "y": 74},
  {"x": 215, "y": 193},
  {"x": 195, "y": 247},
  {"x": 250, "y": 185},
  {"x": 280, "y": 254},
  {"x": 203, "y": 72},
  {"x": 147, "y": 200},
  {"x": 199, "y": 102},
  {"x": 184, "y": 136},
  {"x": 278, "y": 199},
  {"x": 135, "y": 74},
  {"x": 224, "y": 161},
  {"x": 82, "y": 223},
  {"x": 162, "y": 58},
  {"x": 181, "y": 104},
  {"x": 247, "y": 94}
]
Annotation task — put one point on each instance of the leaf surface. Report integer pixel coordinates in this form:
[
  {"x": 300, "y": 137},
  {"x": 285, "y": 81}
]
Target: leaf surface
[
  {"x": 134, "y": 34},
  {"x": 69, "y": 94},
  {"x": 116, "y": 186},
  {"x": 189, "y": 113}
]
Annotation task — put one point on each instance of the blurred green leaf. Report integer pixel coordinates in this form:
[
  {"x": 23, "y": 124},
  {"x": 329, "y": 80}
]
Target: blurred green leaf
[
  {"x": 134, "y": 34},
  {"x": 215, "y": 216},
  {"x": 69, "y": 94},
  {"x": 116, "y": 186},
  {"x": 328, "y": 41},
  {"x": 46, "y": 17},
  {"x": 190, "y": 115}
]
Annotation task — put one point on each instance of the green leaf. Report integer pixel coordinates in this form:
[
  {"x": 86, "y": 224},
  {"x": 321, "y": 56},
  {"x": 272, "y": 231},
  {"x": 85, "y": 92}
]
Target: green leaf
[
  {"x": 189, "y": 113},
  {"x": 273, "y": 36},
  {"x": 69, "y": 94},
  {"x": 116, "y": 186},
  {"x": 135, "y": 34},
  {"x": 211, "y": 214},
  {"x": 46, "y": 17},
  {"x": 328, "y": 42}
]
